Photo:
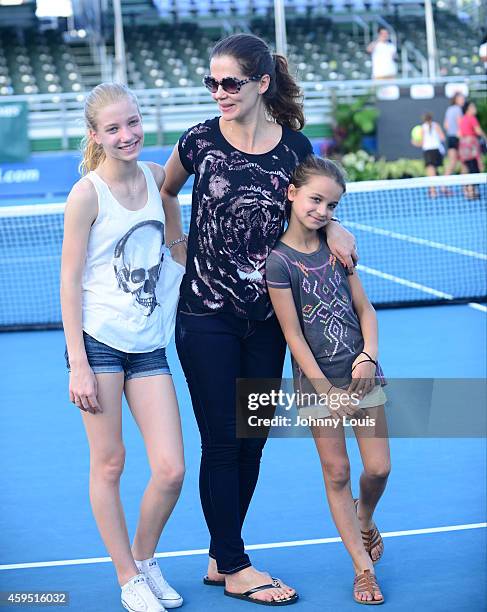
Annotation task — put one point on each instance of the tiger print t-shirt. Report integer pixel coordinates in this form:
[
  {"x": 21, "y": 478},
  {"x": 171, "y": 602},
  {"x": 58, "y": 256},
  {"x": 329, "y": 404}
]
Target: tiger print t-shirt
[{"x": 238, "y": 213}]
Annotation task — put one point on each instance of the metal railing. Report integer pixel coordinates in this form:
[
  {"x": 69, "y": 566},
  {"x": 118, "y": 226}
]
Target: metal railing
[
  {"x": 164, "y": 110},
  {"x": 407, "y": 50}
]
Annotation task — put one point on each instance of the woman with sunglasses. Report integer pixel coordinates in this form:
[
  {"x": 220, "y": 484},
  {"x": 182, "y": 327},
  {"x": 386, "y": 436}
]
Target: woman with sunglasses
[{"x": 226, "y": 329}]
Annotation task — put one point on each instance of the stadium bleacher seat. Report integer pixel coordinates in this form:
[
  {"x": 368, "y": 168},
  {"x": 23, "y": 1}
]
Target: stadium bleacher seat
[
  {"x": 456, "y": 42},
  {"x": 168, "y": 41}
]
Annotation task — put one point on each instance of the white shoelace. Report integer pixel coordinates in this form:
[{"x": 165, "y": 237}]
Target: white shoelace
[
  {"x": 153, "y": 583},
  {"x": 138, "y": 599}
]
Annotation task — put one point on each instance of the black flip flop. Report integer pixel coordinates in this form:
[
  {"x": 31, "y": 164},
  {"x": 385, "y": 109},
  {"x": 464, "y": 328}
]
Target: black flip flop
[
  {"x": 247, "y": 596},
  {"x": 217, "y": 583},
  {"x": 209, "y": 582}
]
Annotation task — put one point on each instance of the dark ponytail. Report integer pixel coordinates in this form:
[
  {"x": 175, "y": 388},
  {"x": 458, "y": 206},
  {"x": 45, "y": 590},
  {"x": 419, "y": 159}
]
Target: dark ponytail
[{"x": 283, "y": 98}]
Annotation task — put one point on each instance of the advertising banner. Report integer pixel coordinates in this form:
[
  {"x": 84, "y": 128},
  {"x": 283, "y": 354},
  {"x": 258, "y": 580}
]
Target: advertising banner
[{"x": 14, "y": 133}]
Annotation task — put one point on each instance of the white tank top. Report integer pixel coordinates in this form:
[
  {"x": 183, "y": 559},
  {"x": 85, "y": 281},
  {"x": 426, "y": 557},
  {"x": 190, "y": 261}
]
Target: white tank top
[
  {"x": 130, "y": 283},
  {"x": 431, "y": 140}
]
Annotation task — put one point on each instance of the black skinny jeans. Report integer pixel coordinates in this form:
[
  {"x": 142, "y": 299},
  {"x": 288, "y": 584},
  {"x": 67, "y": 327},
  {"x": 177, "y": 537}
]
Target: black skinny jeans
[{"x": 214, "y": 351}]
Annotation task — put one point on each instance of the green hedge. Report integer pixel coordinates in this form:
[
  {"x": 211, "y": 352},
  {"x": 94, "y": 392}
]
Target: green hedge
[{"x": 361, "y": 166}]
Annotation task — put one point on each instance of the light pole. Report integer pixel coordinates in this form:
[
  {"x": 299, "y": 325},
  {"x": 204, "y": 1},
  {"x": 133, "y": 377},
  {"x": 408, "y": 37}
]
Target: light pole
[
  {"x": 430, "y": 38},
  {"x": 280, "y": 22},
  {"x": 120, "y": 67}
]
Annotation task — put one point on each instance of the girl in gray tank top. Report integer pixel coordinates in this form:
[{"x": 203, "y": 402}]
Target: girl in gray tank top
[{"x": 331, "y": 329}]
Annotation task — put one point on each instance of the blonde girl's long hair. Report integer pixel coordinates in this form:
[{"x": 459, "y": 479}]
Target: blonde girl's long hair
[{"x": 100, "y": 96}]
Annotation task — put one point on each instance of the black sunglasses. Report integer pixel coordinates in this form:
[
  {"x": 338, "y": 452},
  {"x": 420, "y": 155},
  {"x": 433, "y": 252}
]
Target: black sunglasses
[{"x": 231, "y": 85}]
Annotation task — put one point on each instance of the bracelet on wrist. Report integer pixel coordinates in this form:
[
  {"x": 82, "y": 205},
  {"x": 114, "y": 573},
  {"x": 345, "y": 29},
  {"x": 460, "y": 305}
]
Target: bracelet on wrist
[
  {"x": 374, "y": 361},
  {"x": 179, "y": 240},
  {"x": 364, "y": 361}
]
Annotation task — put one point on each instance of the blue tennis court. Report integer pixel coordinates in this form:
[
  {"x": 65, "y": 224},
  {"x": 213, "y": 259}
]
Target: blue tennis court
[{"x": 433, "y": 512}]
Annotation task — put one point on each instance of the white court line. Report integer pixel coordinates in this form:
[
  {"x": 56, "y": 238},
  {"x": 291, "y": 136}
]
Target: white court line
[
  {"x": 480, "y": 307},
  {"x": 413, "y": 285},
  {"x": 404, "y": 281},
  {"x": 414, "y": 240},
  {"x": 204, "y": 551}
]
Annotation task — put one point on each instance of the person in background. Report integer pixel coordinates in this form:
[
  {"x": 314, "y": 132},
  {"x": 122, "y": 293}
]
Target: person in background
[
  {"x": 383, "y": 53},
  {"x": 432, "y": 142},
  {"x": 469, "y": 132},
  {"x": 453, "y": 115},
  {"x": 483, "y": 52}
]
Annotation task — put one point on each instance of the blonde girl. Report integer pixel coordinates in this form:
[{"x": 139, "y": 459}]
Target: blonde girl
[
  {"x": 331, "y": 330},
  {"x": 119, "y": 290}
]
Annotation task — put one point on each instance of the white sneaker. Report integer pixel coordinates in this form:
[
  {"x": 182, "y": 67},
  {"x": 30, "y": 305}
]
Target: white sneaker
[
  {"x": 137, "y": 596},
  {"x": 164, "y": 593}
]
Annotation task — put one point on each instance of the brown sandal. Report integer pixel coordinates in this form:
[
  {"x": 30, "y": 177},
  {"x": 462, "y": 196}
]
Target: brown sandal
[
  {"x": 366, "y": 581},
  {"x": 371, "y": 539}
]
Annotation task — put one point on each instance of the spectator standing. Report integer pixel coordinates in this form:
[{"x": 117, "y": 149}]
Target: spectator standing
[
  {"x": 452, "y": 116},
  {"x": 469, "y": 131},
  {"x": 432, "y": 139},
  {"x": 383, "y": 53},
  {"x": 483, "y": 52}
]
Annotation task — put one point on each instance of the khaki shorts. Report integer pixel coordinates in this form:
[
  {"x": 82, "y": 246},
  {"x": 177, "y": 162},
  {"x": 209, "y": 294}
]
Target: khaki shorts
[{"x": 374, "y": 398}]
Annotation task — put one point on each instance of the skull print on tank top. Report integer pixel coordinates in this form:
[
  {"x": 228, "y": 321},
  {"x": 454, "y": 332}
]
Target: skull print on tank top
[
  {"x": 137, "y": 262},
  {"x": 130, "y": 282}
]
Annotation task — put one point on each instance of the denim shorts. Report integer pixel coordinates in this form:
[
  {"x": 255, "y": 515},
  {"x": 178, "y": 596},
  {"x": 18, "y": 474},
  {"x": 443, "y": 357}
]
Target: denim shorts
[{"x": 105, "y": 359}]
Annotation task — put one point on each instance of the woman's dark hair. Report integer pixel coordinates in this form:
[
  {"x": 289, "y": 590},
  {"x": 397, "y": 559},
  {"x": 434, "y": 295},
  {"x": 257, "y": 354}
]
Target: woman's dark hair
[
  {"x": 467, "y": 105},
  {"x": 427, "y": 117},
  {"x": 316, "y": 166},
  {"x": 283, "y": 98}
]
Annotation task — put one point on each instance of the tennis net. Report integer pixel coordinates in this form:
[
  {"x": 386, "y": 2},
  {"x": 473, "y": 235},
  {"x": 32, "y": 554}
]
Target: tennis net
[{"x": 421, "y": 241}]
